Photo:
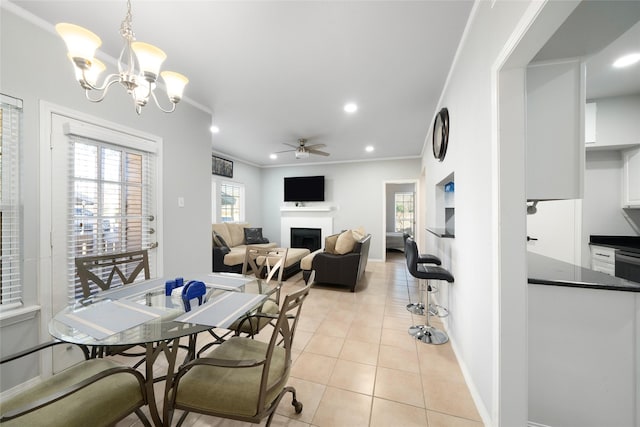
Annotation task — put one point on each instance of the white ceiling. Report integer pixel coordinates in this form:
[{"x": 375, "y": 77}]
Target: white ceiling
[
  {"x": 271, "y": 72},
  {"x": 275, "y": 71}
]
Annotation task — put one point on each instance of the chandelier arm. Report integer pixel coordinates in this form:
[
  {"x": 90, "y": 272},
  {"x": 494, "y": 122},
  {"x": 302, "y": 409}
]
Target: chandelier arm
[
  {"x": 104, "y": 89},
  {"x": 107, "y": 82},
  {"x": 155, "y": 99}
]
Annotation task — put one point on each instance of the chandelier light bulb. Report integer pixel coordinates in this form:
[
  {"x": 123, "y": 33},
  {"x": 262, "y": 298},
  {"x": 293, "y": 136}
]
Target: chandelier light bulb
[
  {"x": 175, "y": 83},
  {"x": 150, "y": 59},
  {"x": 81, "y": 43},
  {"x": 90, "y": 76}
]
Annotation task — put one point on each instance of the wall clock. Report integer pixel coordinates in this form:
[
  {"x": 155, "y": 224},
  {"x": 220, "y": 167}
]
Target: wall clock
[{"x": 441, "y": 134}]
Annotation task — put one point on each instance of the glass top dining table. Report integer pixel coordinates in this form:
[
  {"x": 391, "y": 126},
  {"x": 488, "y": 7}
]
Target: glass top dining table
[
  {"x": 142, "y": 314},
  {"x": 150, "y": 293}
]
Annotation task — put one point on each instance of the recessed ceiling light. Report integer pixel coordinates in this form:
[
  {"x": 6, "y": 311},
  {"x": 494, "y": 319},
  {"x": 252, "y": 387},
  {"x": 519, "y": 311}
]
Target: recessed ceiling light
[
  {"x": 350, "y": 107},
  {"x": 214, "y": 129},
  {"x": 273, "y": 156},
  {"x": 369, "y": 148},
  {"x": 625, "y": 61}
]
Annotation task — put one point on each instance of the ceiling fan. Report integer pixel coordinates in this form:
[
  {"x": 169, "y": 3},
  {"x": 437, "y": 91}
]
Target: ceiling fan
[{"x": 302, "y": 150}]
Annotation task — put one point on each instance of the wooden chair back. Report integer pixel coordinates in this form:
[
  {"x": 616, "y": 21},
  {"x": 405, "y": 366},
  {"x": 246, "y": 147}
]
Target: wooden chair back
[{"x": 109, "y": 269}]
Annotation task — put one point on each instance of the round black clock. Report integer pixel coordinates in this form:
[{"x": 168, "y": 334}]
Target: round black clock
[{"x": 441, "y": 134}]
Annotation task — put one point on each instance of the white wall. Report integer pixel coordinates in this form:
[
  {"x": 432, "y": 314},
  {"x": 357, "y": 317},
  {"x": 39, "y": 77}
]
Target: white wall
[
  {"x": 470, "y": 101},
  {"x": 34, "y": 67},
  {"x": 355, "y": 190}
]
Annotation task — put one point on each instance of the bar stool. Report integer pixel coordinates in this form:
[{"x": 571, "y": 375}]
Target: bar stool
[
  {"x": 418, "y": 307},
  {"x": 425, "y": 333}
]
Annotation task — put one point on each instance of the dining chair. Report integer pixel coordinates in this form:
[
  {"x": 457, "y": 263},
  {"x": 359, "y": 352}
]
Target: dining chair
[
  {"x": 94, "y": 392},
  {"x": 105, "y": 270},
  {"x": 109, "y": 269},
  {"x": 241, "y": 379},
  {"x": 265, "y": 263}
]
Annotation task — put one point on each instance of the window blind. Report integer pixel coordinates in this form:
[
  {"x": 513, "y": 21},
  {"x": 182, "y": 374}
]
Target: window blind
[
  {"x": 10, "y": 218},
  {"x": 111, "y": 203}
]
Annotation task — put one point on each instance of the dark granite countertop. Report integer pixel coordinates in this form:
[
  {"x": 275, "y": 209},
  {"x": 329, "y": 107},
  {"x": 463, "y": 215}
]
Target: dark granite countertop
[
  {"x": 627, "y": 243},
  {"x": 440, "y": 232},
  {"x": 549, "y": 271}
]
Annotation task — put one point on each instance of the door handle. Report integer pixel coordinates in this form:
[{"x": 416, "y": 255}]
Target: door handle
[{"x": 531, "y": 238}]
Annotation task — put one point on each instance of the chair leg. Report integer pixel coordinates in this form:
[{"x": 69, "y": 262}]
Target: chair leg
[
  {"x": 182, "y": 418},
  {"x": 295, "y": 402}
]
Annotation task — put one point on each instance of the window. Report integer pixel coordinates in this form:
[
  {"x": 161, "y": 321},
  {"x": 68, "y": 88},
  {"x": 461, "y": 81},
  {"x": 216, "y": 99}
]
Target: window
[
  {"x": 10, "y": 218},
  {"x": 404, "y": 220},
  {"x": 231, "y": 202},
  {"x": 110, "y": 201}
]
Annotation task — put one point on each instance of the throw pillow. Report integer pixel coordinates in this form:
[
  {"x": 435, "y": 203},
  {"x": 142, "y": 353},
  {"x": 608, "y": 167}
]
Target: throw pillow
[
  {"x": 253, "y": 236},
  {"x": 219, "y": 241},
  {"x": 330, "y": 243},
  {"x": 345, "y": 243},
  {"x": 358, "y": 233}
]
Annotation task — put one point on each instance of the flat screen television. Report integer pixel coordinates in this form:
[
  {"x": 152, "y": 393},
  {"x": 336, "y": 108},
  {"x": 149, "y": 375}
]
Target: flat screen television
[{"x": 304, "y": 189}]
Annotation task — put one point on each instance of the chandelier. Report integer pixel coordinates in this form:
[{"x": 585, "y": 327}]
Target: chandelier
[{"x": 138, "y": 66}]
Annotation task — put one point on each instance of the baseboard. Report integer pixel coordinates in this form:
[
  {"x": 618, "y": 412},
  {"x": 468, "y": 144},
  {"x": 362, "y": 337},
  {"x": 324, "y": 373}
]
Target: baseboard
[
  {"x": 532, "y": 424},
  {"x": 475, "y": 395}
]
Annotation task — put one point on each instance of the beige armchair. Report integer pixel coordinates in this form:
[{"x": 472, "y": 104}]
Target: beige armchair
[
  {"x": 241, "y": 379},
  {"x": 95, "y": 392}
]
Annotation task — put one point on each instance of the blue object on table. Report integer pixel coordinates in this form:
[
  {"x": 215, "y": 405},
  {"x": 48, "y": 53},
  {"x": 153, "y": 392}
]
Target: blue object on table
[
  {"x": 179, "y": 282},
  {"x": 169, "y": 285},
  {"x": 193, "y": 289}
]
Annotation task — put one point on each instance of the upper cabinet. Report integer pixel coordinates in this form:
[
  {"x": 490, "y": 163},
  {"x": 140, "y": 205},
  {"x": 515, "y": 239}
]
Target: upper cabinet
[
  {"x": 616, "y": 120},
  {"x": 555, "y": 130},
  {"x": 631, "y": 178}
]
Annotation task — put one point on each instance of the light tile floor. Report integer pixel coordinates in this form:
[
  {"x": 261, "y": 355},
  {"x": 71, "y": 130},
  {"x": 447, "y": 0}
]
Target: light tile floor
[{"x": 356, "y": 365}]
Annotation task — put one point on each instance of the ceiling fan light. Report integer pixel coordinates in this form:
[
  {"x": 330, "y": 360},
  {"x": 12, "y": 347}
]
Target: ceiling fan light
[
  {"x": 150, "y": 59},
  {"x": 302, "y": 154},
  {"x": 81, "y": 43},
  {"x": 175, "y": 83}
]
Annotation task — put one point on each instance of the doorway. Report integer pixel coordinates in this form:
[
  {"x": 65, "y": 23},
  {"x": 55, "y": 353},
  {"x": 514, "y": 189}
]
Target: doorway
[{"x": 400, "y": 215}]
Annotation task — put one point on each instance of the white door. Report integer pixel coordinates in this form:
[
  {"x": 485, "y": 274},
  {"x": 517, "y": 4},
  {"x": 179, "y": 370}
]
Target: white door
[{"x": 102, "y": 200}]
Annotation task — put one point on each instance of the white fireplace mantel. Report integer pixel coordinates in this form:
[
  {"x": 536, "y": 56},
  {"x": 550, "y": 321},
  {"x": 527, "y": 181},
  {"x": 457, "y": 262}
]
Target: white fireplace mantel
[
  {"x": 306, "y": 209},
  {"x": 305, "y": 217}
]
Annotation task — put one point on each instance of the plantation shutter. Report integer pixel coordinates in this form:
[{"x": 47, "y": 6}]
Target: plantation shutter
[
  {"x": 111, "y": 199},
  {"x": 10, "y": 218}
]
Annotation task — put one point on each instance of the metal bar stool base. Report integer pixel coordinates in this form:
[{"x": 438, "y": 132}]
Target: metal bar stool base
[
  {"x": 416, "y": 308},
  {"x": 428, "y": 334}
]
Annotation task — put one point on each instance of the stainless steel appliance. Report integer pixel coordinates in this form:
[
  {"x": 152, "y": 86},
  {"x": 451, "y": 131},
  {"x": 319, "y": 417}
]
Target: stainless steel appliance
[{"x": 628, "y": 265}]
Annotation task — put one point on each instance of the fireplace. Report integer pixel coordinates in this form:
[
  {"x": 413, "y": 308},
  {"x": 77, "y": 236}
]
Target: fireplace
[{"x": 309, "y": 238}]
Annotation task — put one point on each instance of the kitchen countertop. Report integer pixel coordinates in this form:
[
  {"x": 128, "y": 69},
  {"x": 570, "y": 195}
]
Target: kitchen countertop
[
  {"x": 543, "y": 270},
  {"x": 440, "y": 232},
  {"x": 627, "y": 243}
]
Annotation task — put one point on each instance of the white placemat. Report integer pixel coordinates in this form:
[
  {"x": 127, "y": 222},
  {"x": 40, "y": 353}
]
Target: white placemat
[
  {"x": 223, "y": 310},
  {"x": 106, "y": 318}
]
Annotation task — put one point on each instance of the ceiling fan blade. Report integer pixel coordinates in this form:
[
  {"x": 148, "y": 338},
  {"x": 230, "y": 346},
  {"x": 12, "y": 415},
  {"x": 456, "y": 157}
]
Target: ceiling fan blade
[
  {"x": 285, "y": 151},
  {"x": 314, "y": 146},
  {"x": 291, "y": 145},
  {"x": 318, "y": 152}
]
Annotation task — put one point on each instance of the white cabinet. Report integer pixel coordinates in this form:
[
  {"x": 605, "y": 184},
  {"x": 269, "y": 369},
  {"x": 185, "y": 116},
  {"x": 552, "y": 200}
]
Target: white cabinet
[
  {"x": 603, "y": 259},
  {"x": 555, "y": 130},
  {"x": 616, "y": 122},
  {"x": 631, "y": 178},
  {"x": 590, "y": 111}
]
